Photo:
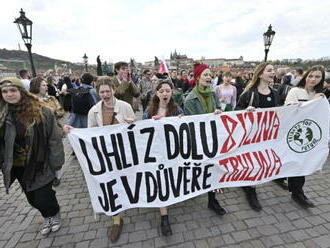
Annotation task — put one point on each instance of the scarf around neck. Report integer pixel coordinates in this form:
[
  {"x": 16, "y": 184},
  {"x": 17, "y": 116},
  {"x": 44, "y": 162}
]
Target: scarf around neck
[{"x": 205, "y": 97}]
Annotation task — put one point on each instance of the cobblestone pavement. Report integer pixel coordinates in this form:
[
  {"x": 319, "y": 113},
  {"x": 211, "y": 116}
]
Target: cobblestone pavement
[{"x": 281, "y": 223}]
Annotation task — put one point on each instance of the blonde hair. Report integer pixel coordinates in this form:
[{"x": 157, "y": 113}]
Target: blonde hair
[{"x": 255, "y": 79}]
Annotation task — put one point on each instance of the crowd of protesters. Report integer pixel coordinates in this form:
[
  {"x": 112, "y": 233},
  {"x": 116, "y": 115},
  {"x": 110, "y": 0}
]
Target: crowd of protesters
[{"x": 35, "y": 115}]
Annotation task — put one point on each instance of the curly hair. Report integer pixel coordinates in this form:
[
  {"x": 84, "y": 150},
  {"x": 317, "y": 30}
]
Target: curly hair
[
  {"x": 153, "y": 105},
  {"x": 28, "y": 109}
]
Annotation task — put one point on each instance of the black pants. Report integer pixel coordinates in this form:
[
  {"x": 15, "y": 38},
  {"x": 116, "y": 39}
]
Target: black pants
[
  {"x": 211, "y": 196},
  {"x": 296, "y": 184},
  {"x": 43, "y": 199},
  {"x": 248, "y": 188}
]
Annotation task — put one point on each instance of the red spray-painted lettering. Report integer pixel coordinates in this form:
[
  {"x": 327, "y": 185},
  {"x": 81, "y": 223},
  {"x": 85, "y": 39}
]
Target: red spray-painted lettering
[
  {"x": 256, "y": 127},
  {"x": 251, "y": 166}
]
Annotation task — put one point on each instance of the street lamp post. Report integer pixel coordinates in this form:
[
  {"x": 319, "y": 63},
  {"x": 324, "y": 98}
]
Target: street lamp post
[
  {"x": 25, "y": 28},
  {"x": 268, "y": 38},
  {"x": 85, "y": 62}
]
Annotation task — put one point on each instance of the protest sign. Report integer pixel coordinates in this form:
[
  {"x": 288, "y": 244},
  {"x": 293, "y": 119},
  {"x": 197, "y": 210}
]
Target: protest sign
[{"x": 156, "y": 163}]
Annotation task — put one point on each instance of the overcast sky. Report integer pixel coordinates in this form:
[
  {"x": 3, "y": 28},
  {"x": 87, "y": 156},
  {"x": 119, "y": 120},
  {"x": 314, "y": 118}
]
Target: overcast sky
[{"x": 142, "y": 29}]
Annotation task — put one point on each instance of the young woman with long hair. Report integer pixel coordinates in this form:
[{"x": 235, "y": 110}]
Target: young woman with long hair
[
  {"x": 258, "y": 94},
  {"x": 162, "y": 105},
  {"x": 31, "y": 149},
  {"x": 39, "y": 88},
  {"x": 309, "y": 87},
  {"x": 202, "y": 100}
]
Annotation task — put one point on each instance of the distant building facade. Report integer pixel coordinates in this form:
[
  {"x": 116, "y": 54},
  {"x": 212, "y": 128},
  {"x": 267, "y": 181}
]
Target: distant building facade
[
  {"x": 179, "y": 61},
  {"x": 222, "y": 62}
]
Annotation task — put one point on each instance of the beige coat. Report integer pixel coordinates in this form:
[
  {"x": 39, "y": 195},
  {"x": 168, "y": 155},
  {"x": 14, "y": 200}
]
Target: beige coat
[{"x": 122, "y": 109}]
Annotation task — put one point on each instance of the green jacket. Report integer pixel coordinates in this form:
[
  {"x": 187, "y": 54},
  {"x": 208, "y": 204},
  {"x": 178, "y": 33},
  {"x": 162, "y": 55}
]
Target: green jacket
[
  {"x": 126, "y": 91},
  {"x": 192, "y": 105},
  {"x": 54, "y": 150}
]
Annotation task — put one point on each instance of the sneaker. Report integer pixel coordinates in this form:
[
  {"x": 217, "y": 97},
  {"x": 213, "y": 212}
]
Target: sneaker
[
  {"x": 55, "y": 222},
  {"x": 46, "y": 227}
]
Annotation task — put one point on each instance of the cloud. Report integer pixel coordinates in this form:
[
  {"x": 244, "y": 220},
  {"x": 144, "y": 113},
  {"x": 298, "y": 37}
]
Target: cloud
[{"x": 118, "y": 30}]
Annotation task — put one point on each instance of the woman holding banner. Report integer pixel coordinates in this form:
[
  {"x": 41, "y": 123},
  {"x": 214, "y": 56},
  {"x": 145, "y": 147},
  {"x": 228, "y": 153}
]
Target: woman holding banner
[
  {"x": 201, "y": 100},
  {"x": 163, "y": 105},
  {"x": 110, "y": 111},
  {"x": 309, "y": 87},
  {"x": 258, "y": 94}
]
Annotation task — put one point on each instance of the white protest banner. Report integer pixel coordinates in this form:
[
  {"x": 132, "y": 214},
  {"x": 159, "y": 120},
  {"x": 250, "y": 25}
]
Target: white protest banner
[{"x": 156, "y": 163}]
